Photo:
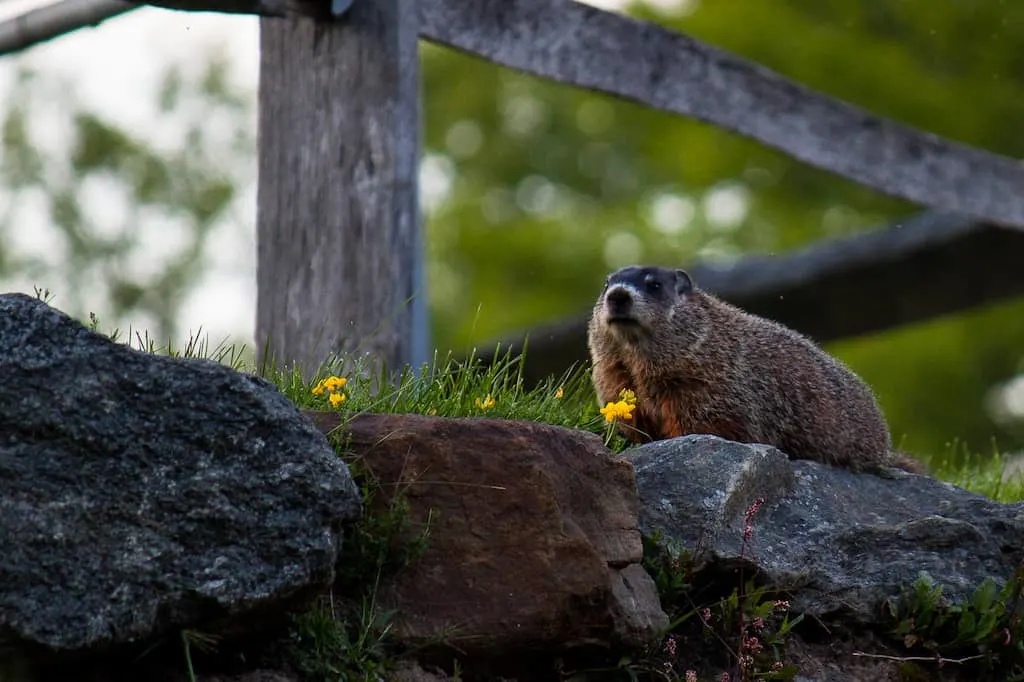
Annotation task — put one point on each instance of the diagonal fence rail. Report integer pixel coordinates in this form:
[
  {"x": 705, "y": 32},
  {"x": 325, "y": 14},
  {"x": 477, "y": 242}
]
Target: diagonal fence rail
[{"x": 916, "y": 270}]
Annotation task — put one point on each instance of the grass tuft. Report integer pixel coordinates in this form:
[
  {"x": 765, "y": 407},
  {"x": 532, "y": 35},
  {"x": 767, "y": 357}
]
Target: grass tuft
[
  {"x": 329, "y": 642},
  {"x": 985, "y": 474},
  {"x": 451, "y": 387}
]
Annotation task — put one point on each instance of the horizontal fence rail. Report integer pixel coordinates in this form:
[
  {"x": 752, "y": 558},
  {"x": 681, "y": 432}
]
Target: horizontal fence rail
[{"x": 928, "y": 266}]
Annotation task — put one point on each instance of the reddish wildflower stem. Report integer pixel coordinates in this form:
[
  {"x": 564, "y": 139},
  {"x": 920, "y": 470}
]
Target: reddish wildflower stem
[{"x": 748, "y": 533}]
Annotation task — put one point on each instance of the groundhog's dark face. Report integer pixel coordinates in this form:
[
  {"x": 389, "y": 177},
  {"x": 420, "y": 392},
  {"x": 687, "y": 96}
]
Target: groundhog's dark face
[{"x": 637, "y": 300}]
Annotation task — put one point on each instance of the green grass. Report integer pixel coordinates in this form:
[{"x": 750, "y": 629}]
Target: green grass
[
  {"x": 453, "y": 388},
  {"x": 450, "y": 388},
  {"x": 980, "y": 473},
  {"x": 332, "y": 641}
]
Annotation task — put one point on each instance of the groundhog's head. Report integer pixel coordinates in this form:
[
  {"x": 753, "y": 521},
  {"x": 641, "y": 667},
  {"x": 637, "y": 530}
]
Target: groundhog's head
[{"x": 638, "y": 302}]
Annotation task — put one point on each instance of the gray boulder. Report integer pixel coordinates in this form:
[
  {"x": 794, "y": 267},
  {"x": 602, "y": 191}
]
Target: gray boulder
[
  {"x": 140, "y": 493},
  {"x": 841, "y": 542}
]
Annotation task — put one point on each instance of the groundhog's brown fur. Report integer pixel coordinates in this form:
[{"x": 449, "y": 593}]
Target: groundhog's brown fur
[{"x": 700, "y": 365}]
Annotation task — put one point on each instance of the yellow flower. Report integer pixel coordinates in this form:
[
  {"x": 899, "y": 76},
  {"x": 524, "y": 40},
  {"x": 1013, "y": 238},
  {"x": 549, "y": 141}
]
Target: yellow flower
[
  {"x": 331, "y": 384},
  {"x": 485, "y": 404},
  {"x": 559, "y": 393},
  {"x": 627, "y": 396},
  {"x": 619, "y": 410}
]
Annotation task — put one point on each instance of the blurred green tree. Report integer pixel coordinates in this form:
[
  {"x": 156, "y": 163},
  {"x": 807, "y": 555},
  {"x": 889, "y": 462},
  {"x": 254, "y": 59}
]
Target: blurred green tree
[{"x": 98, "y": 214}]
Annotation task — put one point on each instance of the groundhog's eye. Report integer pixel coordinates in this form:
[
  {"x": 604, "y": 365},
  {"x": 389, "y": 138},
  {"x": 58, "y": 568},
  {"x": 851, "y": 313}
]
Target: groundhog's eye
[{"x": 652, "y": 283}]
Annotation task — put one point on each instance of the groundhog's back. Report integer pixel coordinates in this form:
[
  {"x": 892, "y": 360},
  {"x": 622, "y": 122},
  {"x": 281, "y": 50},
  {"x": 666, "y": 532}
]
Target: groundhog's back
[{"x": 810, "y": 404}]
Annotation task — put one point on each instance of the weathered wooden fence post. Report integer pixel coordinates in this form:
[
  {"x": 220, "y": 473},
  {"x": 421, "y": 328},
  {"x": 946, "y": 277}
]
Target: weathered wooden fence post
[{"x": 339, "y": 253}]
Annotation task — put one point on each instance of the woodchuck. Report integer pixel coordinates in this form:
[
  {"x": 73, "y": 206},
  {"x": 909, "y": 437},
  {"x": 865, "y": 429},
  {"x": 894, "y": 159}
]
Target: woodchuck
[{"x": 700, "y": 365}]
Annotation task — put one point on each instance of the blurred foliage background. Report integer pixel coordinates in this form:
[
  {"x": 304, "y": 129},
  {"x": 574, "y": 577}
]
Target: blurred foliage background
[{"x": 533, "y": 191}]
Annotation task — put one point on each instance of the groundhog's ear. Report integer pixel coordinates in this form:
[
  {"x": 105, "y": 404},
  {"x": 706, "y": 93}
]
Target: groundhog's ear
[{"x": 683, "y": 282}]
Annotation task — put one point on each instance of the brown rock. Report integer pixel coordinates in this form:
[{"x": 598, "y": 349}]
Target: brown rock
[{"x": 534, "y": 535}]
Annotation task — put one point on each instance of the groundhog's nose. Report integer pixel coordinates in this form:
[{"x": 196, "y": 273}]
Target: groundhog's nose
[{"x": 619, "y": 301}]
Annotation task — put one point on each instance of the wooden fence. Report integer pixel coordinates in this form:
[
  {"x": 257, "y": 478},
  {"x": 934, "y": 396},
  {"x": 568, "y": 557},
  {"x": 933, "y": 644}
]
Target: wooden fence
[{"x": 338, "y": 228}]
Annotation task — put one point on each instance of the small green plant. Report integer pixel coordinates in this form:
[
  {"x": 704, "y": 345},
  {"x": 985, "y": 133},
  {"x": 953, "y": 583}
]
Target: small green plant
[
  {"x": 670, "y": 564},
  {"x": 379, "y": 544},
  {"x": 763, "y": 624},
  {"x": 337, "y": 641},
  {"x": 43, "y": 295},
  {"x": 200, "y": 640},
  {"x": 235, "y": 356},
  {"x": 329, "y": 643},
  {"x": 985, "y": 631},
  {"x": 738, "y": 637}
]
